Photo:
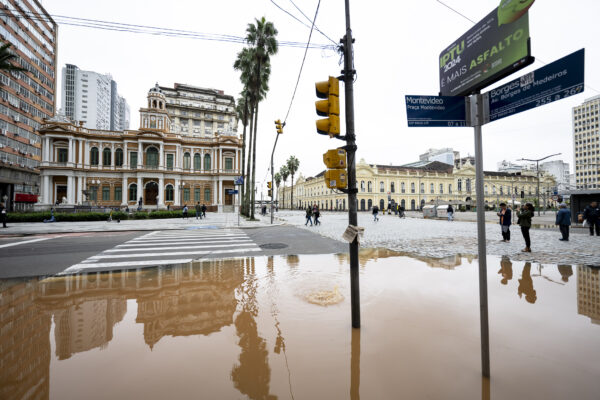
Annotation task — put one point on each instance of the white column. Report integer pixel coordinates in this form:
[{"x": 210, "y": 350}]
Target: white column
[
  {"x": 46, "y": 149},
  {"x": 215, "y": 192},
  {"x": 220, "y": 192},
  {"x": 177, "y": 157},
  {"x": 112, "y": 156},
  {"x": 177, "y": 192},
  {"x": 46, "y": 189},
  {"x": 79, "y": 189},
  {"x": 161, "y": 157},
  {"x": 161, "y": 191},
  {"x": 70, "y": 197},
  {"x": 124, "y": 192},
  {"x": 86, "y": 153},
  {"x": 139, "y": 189},
  {"x": 81, "y": 153}
]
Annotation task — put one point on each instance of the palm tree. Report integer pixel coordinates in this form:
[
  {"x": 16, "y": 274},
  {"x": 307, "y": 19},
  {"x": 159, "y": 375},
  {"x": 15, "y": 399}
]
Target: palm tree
[
  {"x": 284, "y": 175},
  {"x": 6, "y": 58},
  {"x": 261, "y": 37},
  {"x": 277, "y": 179},
  {"x": 292, "y": 164},
  {"x": 242, "y": 114}
]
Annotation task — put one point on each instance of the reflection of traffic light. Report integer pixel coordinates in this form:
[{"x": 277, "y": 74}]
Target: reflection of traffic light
[
  {"x": 336, "y": 177},
  {"x": 269, "y": 185},
  {"x": 330, "y": 108},
  {"x": 270, "y": 193},
  {"x": 278, "y": 126}
]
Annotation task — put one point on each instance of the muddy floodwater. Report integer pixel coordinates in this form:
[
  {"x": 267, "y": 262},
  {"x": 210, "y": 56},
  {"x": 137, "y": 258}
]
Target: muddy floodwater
[{"x": 279, "y": 328}]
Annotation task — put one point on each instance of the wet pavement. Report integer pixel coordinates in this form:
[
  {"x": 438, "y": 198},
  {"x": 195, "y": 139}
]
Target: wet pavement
[{"x": 279, "y": 328}]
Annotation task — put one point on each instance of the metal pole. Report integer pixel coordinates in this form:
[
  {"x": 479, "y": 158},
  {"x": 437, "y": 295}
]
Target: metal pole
[
  {"x": 350, "y": 154},
  {"x": 272, "y": 174},
  {"x": 476, "y": 102},
  {"x": 537, "y": 167}
]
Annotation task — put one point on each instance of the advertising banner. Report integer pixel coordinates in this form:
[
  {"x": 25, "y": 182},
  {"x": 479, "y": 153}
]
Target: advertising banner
[
  {"x": 436, "y": 111},
  {"x": 495, "y": 47}
]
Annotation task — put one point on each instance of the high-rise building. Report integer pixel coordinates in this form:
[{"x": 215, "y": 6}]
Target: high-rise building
[
  {"x": 124, "y": 115},
  {"x": 92, "y": 98},
  {"x": 26, "y": 98},
  {"x": 447, "y": 156},
  {"x": 586, "y": 144},
  {"x": 202, "y": 112},
  {"x": 560, "y": 171}
]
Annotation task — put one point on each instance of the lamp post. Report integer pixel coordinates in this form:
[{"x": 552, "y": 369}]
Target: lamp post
[
  {"x": 181, "y": 186},
  {"x": 537, "y": 168}
]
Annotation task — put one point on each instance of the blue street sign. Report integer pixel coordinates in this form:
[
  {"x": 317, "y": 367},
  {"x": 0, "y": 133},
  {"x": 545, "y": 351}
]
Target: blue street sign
[
  {"x": 232, "y": 191},
  {"x": 555, "y": 81},
  {"x": 239, "y": 180},
  {"x": 436, "y": 111}
]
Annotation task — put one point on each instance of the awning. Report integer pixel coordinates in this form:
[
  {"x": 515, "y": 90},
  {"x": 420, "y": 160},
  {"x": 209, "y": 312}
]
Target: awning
[{"x": 26, "y": 198}]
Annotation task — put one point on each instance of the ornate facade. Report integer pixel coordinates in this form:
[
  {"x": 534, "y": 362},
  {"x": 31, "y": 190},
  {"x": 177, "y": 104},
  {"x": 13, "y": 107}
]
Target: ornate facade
[
  {"x": 416, "y": 186},
  {"x": 152, "y": 164}
]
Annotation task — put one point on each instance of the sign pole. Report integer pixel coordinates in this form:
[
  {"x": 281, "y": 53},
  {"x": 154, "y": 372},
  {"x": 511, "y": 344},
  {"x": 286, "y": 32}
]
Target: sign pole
[{"x": 478, "y": 120}]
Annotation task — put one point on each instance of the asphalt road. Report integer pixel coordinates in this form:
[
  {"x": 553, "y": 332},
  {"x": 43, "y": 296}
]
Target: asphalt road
[{"x": 50, "y": 254}]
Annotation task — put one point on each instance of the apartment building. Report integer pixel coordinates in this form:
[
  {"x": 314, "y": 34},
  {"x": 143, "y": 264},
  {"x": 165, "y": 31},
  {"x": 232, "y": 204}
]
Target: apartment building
[{"x": 586, "y": 144}]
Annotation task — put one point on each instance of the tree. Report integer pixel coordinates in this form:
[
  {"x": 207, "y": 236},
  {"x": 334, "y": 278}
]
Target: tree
[
  {"x": 6, "y": 59},
  {"x": 292, "y": 164},
  {"x": 242, "y": 114},
  {"x": 284, "y": 175},
  {"x": 277, "y": 178}
]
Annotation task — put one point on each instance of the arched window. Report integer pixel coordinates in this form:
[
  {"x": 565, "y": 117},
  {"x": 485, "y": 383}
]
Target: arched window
[
  {"x": 169, "y": 193},
  {"x": 381, "y": 187},
  {"x": 94, "y": 156},
  {"x": 412, "y": 187},
  {"x": 370, "y": 204},
  {"x": 485, "y": 189},
  {"x": 392, "y": 187},
  {"x": 459, "y": 185},
  {"x": 450, "y": 188},
  {"x": 133, "y": 192},
  {"x": 422, "y": 188},
  {"x": 441, "y": 188},
  {"x": 362, "y": 186},
  {"x": 422, "y": 203},
  {"x": 493, "y": 189},
  {"x": 119, "y": 157},
  {"x": 468, "y": 184},
  {"x": 369, "y": 187},
  {"x": 402, "y": 188},
  {"x": 403, "y": 204},
  {"x": 106, "y": 157},
  {"x": 382, "y": 204},
  {"x": 207, "y": 195},
  {"x": 207, "y": 166},
  {"x": 154, "y": 103},
  {"x": 197, "y": 162},
  {"x": 152, "y": 157},
  {"x": 431, "y": 188},
  {"x": 187, "y": 161},
  {"x": 412, "y": 204}
]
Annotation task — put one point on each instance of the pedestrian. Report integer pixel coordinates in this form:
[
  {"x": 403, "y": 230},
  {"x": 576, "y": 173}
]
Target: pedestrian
[
  {"x": 308, "y": 216},
  {"x": 198, "y": 210},
  {"x": 563, "y": 220},
  {"x": 450, "y": 212},
  {"x": 591, "y": 215},
  {"x": 317, "y": 214},
  {"x": 375, "y": 212},
  {"x": 524, "y": 220},
  {"x": 3, "y": 215},
  {"x": 401, "y": 212},
  {"x": 185, "y": 211},
  {"x": 505, "y": 215},
  {"x": 203, "y": 211}
]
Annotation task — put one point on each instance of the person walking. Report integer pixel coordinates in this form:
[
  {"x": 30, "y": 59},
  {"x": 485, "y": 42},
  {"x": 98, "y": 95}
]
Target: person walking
[
  {"x": 198, "y": 210},
  {"x": 308, "y": 216},
  {"x": 203, "y": 211},
  {"x": 524, "y": 220},
  {"x": 450, "y": 212},
  {"x": 401, "y": 212},
  {"x": 185, "y": 211},
  {"x": 591, "y": 215},
  {"x": 316, "y": 216},
  {"x": 375, "y": 212},
  {"x": 3, "y": 215},
  {"x": 505, "y": 215},
  {"x": 563, "y": 220}
]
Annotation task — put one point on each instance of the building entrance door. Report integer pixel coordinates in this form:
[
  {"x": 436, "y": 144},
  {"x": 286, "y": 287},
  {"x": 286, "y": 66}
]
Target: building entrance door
[
  {"x": 61, "y": 191},
  {"x": 228, "y": 198},
  {"x": 150, "y": 193}
]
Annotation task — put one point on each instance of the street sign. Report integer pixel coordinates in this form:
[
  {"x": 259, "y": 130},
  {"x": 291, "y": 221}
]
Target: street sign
[
  {"x": 239, "y": 180},
  {"x": 555, "y": 81},
  {"x": 436, "y": 111},
  {"x": 232, "y": 191},
  {"x": 494, "y": 48}
]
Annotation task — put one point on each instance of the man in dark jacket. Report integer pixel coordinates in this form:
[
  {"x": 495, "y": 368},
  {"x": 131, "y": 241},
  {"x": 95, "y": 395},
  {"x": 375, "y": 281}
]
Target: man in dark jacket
[
  {"x": 505, "y": 215},
  {"x": 3, "y": 215},
  {"x": 592, "y": 215},
  {"x": 563, "y": 220}
]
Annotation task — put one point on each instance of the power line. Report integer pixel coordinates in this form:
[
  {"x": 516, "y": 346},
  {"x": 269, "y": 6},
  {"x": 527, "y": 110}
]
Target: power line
[
  {"x": 308, "y": 19},
  {"x": 302, "y": 22}
]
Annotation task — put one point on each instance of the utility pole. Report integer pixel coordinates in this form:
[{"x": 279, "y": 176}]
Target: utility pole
[{"x": 537, "y": 168}]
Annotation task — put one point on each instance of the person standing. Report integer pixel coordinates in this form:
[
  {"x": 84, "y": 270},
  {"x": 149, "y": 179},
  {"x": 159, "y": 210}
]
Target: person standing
[
  {"x": 185, "y": 211},
  {"x": 204, "y": 211},
  {"x": 316, "y": 216},
  {"x": 308, "y": 216},
  {"x": 524, "y": 220},
  {"x": 563, "y": 220},
  {"x": 505, "y": 215},
  {"x": 375, "y": 212},
  {"x": 450, "y": 212},
  {"x": 198, "y": 210},
  {"x": 592, "y": 215},
  {"x": 3, "y": 215}
]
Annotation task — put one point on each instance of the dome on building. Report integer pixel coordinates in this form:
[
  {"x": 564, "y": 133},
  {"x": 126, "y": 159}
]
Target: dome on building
[
  {"x": 155, "y": 89},
  {"x": 156, "y": 98}
]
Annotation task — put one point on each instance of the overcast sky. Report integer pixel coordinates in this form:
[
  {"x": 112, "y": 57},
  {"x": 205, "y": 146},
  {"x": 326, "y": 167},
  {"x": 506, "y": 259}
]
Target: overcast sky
[{"x": 396, "y": 53}]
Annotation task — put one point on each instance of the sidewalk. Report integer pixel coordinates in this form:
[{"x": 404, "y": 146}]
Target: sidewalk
[{"x": 212, "y": 221}]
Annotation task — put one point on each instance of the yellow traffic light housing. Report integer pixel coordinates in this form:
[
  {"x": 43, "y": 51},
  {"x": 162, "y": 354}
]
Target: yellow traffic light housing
[
  {"x": 269, "y": 185},
  {"x": 335, "y": 158},
  {"x": 329, "y": 90},
  {"x": 278, "y": 126},
  {"x": 270, "y": 193},
  {"x": 336, "y": 179}
]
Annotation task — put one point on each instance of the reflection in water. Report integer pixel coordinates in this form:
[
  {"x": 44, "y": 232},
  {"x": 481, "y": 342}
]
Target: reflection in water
[
  {"x": 588, "y": 293},
  {"x": 526, "y": 284},
  {"x": 505, "y": 270},
  {"x": 293, "y": 260},
  {"x": 565, "y": 272}
]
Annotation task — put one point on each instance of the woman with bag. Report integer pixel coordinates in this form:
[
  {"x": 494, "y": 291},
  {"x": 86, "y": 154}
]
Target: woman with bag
[{"x": 524, "y": 220}]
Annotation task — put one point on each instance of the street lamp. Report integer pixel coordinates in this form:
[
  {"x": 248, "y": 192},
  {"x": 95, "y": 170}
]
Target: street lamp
[
  {"x": 181, "y": 186},
  {"x": 537, "y": 168}
]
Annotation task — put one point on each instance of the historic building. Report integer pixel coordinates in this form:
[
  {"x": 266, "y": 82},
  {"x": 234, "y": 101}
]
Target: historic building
[
  {"x": 151, "y": 165},
  {"x": 26, "y": 97},
  {"x": 415, "y": 186}
]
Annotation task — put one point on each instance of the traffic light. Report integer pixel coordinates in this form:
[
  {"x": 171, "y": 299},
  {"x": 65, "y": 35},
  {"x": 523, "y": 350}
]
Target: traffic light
[
  {"x": 270, "y": 193},
  {"x": 336, "y": 177},
  {"x": 330, "y": 108},
  {"x": 278, "y": 126},
  {"x": 269, "y": 185}
]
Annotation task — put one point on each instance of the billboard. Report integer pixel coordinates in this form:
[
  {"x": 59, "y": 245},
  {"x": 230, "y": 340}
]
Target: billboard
[{"x": 495, "y": 47}]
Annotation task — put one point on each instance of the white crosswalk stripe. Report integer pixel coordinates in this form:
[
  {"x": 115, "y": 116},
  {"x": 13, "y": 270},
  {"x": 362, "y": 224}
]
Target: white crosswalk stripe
[{"x": 170, "y": 247}]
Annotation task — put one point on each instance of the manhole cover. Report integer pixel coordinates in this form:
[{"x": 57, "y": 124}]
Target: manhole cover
[{"x": 273, "y": 246}]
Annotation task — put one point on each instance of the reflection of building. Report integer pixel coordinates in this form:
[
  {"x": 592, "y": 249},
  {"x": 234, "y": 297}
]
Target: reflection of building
[
  {"x": 588, "y": 293},
  {"x": 24, "y": 342},
  {"x": 154, "y": 164}
]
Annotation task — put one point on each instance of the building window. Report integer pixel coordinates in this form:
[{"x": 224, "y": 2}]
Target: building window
[
  {"x": 152, "y": 157},
  {"x": 63, "y": 155},
  {"x": 94, "y": 156},
  {"x": 362, "y": 186},
  {"x": 169, "y": 192},
  {"x": 485, "y": 190},
  {"x": 431, "y": 188},
  {"x": 197, "y": 162},
  {"x": 133, "y": 159},
  {"x": 450, "y": 188},
  {"x": 170, "y": 162},
  {"x": 392, "y": 187},
  {"x": 422, "y": 188},
  {"x": 459, "y": 185},
  {"x": 133, "y": 192},
  {"x": 106, "y": 157},
  {"x": 93, "y": 193},
  {"x": 412, "y": 187},
  {"x": 369, "y": 186},
  {"x": 105, "y": 193},
  {"x": 207, "y": 162},
  {"x": 402, "y": 187},
  {"x": 118, "y": 193},
  {"x": 228, "y": 163},
  {"x": 186, "y": 194},
  {"x": 197, "y": 195},
  {"x": 493, "y": 189},
  {"x": 468, "y": 185},
  {"x": 119, "y": 157},
  {"x": 381, "y": 187},
  {"x": 207, "y": 195},
  {"x": 441, "y": 188},
  {"x": 187, "y": 161}
]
